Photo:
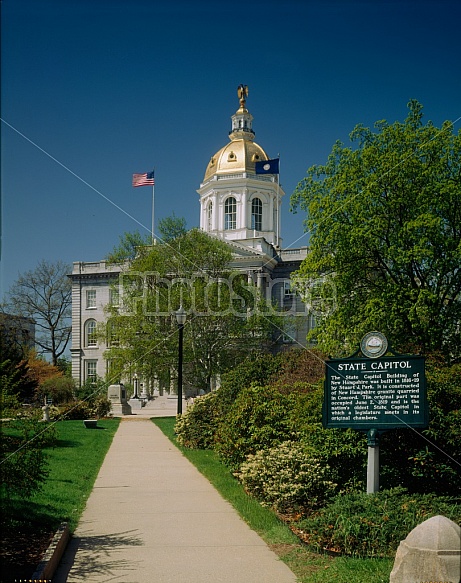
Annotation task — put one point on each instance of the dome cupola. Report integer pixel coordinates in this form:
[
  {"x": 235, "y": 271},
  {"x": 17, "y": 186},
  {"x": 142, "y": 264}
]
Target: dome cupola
[
  {"x": 238, "y": 204},
  {"x": 241, "y": 153}
]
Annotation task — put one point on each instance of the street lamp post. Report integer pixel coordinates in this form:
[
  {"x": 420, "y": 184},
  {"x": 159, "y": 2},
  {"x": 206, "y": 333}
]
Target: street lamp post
[
  {"x": 181, "y": 320},
  {"x": 135, "y": 383}
]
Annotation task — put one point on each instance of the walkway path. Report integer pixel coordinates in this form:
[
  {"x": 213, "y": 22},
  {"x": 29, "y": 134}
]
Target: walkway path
[{"x": 152, "y": 517}]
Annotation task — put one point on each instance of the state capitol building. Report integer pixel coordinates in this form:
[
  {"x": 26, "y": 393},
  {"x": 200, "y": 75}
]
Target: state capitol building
[{"x": 237, "y": 205}]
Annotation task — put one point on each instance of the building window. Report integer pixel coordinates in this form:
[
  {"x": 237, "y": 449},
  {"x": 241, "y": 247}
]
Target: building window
[
  {"x": 256, "y": 214},
  {"x": 90, "y": 333},
  {"x": 230, "y": 213},
  {"x": 209, "y": 216},
  {"x": 113, "y": 338},
  {"x": 91, "y": 298},
  {"x": 288, "y": 290},
  {"x": 114, "y": 296},
  {"x": 90, "y": 370},
  {"x": 289, "y": 334}
]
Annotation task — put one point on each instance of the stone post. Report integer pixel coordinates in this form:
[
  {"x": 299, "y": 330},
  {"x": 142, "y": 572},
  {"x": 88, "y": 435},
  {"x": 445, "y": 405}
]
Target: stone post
[
  {"x": 116, "y": 394},
  {"x": 46, "y": 413},
  {"x": 431, "y": 552}
]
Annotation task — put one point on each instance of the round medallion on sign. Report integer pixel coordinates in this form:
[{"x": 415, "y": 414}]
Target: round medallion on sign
[{"x": 373, "y": 344}]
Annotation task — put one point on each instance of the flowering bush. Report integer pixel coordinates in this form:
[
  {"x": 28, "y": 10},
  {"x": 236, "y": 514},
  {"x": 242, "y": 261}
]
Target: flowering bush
[
  {"x": 286, "y": 476},
  {"x": 91, "y": 408},
  {"x": 196, "y": 427}
]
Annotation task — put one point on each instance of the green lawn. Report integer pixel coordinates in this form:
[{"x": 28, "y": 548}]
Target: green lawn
[
  {"x": 74, "y": 463},
  {"x": 28, "y": 524},
  {"x": 309, "y": 567}
]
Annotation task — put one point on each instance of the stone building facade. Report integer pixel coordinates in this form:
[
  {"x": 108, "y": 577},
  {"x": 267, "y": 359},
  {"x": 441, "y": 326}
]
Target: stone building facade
[{"x": 238, "y": 205}]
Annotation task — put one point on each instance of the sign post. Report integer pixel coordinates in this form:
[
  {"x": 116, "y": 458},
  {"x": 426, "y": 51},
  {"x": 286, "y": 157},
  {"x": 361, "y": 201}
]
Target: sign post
[
  {"x": 375, "y": 393},
  {"x": 373, "y": 461}
]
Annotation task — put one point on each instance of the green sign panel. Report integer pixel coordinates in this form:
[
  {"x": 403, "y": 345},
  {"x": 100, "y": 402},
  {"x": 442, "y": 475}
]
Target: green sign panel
[{"x": 375, "y": 393}]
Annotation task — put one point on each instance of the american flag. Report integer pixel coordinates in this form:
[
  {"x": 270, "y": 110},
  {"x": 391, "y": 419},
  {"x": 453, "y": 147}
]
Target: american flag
[{"x": 143, "y": 179}]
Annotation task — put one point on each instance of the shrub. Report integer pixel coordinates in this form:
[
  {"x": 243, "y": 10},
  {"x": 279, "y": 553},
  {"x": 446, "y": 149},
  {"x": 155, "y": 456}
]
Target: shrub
[
  {"x": 60, "y": 389},
  {"x": 425, "y": 460},
  {"x": 257, "y": 369},
  {"x": 372, "y": 525},
  {"x": 422, "y": 461},
  {"x": 299, "y": 369},
  {"x": 9, "y": 404},
  {"x": 97, "y": 407},
  {"x": 197, "y": 426},
  {"x": 23, "y": 461},
  {"x": 91, "y": 402},
  {"x": 91, "y": 389},
  {"x": 343, "y": 450},
  {"x": 286, "y": 477},
  {"x": 258, "y": 419},
  {"x": 76, "y": 411}
]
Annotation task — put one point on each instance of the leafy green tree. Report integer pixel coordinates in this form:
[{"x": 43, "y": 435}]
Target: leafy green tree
[
  {"x": 385, "y": 238},
  {"x": 45, "y": 295},
  {"x": 226, "y": 317},
  {"x": 128, "y": 247},
  {"x": 131, "y": 245},
  {"x": 65, "y": 366},
  {"x": 10, "y": 386},
  {"x": 170, "y": 228},
  {"x": 16, "y": 383},
  {"x": 23, "y": 465}
]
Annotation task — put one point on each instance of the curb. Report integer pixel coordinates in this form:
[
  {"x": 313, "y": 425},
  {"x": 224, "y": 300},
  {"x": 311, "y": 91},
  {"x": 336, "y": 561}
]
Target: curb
[{"x": 53, "y": 554}]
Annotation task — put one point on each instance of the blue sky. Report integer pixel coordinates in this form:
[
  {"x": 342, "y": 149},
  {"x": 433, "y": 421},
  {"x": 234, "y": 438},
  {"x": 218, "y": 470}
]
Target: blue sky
[{"x": 95, "y": 90}]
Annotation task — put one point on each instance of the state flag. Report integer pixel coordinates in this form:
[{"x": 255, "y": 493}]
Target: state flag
[{"x": 267, "y": 166}]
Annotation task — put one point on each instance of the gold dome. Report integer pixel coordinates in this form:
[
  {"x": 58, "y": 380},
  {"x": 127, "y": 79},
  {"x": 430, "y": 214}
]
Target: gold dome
[
  {"x": 239, "y": 155},
  {"x": 241, "y": 152}
]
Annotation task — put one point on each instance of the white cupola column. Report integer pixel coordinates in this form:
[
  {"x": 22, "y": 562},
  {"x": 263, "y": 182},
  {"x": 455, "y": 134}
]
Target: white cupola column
[{"x": 244, "y": 206}]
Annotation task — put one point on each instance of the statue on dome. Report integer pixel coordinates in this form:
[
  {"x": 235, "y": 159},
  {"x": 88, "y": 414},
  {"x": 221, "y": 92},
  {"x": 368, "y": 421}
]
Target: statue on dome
[{"x": 242, "y": 92}]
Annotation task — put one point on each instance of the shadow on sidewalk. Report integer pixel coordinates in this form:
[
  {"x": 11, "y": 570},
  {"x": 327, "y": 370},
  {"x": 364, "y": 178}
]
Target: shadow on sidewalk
[{"x": 91, "y": 549}]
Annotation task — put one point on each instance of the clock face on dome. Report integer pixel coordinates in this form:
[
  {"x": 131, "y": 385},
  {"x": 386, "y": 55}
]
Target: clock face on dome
[{"x": 374, "y": 344}]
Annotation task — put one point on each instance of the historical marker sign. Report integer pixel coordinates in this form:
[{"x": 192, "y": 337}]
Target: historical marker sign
[{"x": 375, "y": 393}]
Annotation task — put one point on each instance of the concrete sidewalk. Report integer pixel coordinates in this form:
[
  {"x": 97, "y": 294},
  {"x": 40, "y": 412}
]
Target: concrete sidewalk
[{"x": 153, "y": 518}]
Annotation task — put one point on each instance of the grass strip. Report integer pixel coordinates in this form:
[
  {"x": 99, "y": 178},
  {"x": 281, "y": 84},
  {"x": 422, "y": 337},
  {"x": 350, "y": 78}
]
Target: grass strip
[{"x": 308, "y": 567}]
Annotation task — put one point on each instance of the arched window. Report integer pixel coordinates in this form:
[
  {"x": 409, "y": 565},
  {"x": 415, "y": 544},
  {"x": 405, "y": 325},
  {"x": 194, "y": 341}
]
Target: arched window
[
  {"x": 90, "y": 333},
  {"x": 209, "y": 216},
  {"x": 256, "y": 214},
  {"x": 230, "y": 213}
]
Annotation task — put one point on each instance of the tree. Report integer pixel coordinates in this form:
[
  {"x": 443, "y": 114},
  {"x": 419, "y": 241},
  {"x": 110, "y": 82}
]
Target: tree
[
  {"x": 45, "y": 295},
  {"x": 132, "y": 244},
  {"x": 385, "y": 246},
  {"x": 170, "y": 228},
  {"x": 226, "y": 317},
  {"x": 16, "y": 384},
  {"x": 39, "y": 370}
]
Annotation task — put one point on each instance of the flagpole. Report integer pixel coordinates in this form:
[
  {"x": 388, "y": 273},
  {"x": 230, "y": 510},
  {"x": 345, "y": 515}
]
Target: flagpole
[
  {"x": 278, "y": 205},
  {"x": 153, "y": 212}
]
